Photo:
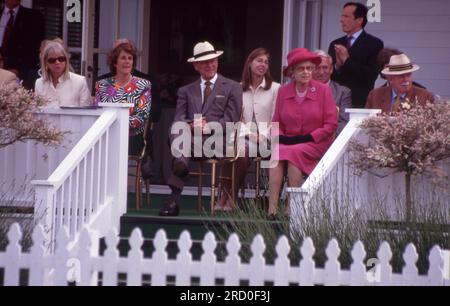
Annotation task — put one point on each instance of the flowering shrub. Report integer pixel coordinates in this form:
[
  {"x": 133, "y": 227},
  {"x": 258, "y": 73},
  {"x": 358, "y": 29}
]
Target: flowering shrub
[
  {"x": 412, "y": 141},
  {"x": 19, "y": 122},
  {"x": 18, "y": 119}
]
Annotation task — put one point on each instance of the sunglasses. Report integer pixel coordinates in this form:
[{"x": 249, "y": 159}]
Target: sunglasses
[{"x": 60, "y": 59}]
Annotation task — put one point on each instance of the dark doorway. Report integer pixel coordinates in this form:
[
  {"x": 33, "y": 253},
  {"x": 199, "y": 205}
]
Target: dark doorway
[{"x": 234, "y": 26}]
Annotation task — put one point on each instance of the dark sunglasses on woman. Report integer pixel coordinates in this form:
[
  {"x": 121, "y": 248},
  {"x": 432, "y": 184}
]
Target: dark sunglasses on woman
[{"x": 60, "y": 59}]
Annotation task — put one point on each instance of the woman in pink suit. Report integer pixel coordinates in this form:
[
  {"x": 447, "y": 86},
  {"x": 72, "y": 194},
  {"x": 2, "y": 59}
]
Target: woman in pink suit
[{"x": 307, "y": 117}]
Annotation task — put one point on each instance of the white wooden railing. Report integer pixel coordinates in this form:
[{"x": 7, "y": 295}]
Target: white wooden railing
[
  {"x": 85, "y": 265},
  {"x": 89, "y": 187},
  {"x": 23, "y": 162},
  {"x": 334, "y": 179},
  {"x": 333, "y": 171},
  {"x": 83, "y": 182}
]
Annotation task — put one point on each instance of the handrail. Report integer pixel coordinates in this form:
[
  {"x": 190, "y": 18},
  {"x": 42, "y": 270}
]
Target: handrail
[
  {"x": 79, "y": 151},
  {"x": 335, "y": 152},
  {"x": 88, "y": 188}
]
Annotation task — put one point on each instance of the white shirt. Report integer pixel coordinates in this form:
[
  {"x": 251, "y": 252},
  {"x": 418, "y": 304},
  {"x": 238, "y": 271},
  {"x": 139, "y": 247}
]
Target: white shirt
[
  {"x": 4, "y": 20},
  {"x": 72, "y": 91},
  {"x": 260, "y": 104},
  {"x": 203, "y": 86}
]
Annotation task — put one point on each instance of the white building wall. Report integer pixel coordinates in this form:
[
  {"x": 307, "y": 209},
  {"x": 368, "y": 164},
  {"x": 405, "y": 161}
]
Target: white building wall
[
  {"x": 124, "y": 20},
  {"x": 419, "y": 28}
]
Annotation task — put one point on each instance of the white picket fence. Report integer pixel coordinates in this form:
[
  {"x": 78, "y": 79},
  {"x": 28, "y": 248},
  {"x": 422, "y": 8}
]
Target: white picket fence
[
  {"x": 83, "y": 266},
  {"x": 88, "y": 188}
]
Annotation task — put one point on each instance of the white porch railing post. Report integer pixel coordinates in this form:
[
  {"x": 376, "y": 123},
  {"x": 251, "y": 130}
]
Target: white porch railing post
[
  {"x": 44, "y": 212},
  {"x": 118, "y": 159}
]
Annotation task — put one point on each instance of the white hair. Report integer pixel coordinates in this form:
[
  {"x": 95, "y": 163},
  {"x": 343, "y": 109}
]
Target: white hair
[{"x": 322, "y": 53}]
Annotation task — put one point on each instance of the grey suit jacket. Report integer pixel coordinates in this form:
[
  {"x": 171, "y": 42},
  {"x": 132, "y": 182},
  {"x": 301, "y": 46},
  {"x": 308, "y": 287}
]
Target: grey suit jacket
[
  {"x": 223, "y": 105},
  {"x": 343, "y": 98}
]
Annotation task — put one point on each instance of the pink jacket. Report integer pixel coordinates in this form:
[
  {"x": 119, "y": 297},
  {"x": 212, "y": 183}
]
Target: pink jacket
[{"x": 316, "y": 115}]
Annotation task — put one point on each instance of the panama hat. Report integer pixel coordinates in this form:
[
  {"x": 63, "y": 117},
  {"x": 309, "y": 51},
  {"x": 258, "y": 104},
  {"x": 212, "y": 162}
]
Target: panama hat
[
  {"x": 399, "y": 64},
  {"x": 299, "y": 55},
  {"x": 204, "y": 51}
]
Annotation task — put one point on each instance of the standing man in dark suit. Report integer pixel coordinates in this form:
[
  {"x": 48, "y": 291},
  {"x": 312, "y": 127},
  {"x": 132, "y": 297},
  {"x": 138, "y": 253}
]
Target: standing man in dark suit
[
  {"x": 211, "y": 99},
  {"x": 341, "y": 94},
  {"x": 21, "y": 32},
  {"x": 355, "y": 55}
]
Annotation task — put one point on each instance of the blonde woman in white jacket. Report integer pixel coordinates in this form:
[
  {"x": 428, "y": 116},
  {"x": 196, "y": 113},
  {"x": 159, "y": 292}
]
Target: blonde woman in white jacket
[
  {"x": 259, "y": 98},
  {"x": 57, "y": 84}
]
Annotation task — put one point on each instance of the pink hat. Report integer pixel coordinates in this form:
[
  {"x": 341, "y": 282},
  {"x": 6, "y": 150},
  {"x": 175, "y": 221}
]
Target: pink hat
[{"x": 299, "y": 55}]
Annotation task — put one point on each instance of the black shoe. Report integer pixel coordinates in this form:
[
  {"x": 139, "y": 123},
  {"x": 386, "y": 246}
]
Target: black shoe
[
  {"x": 170, "y": 209},
  {"x": 180, "y": 169}
]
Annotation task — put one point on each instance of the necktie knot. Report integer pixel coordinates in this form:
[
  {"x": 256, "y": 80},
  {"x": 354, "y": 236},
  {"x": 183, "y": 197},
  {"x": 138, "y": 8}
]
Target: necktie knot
[{"x": 349, "y": 41}]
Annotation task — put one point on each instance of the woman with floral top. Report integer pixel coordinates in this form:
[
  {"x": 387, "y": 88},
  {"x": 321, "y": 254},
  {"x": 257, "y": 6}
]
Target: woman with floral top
[{"x": 123, "y": 87}]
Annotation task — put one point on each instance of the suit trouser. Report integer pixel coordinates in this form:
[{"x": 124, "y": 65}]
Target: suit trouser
[
  {"x": 179, "y": 182},
  {"x": 176, "y": 181}
]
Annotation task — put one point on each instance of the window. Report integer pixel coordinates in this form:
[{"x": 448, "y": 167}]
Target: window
[
  {"x": 56, "y": 25},
  {"x": 302, "y": 20}
]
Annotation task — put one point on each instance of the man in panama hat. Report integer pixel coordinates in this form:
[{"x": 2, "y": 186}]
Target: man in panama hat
[
  {"x": 211, "y": 99},
  {"x": 400, "y": 93}
]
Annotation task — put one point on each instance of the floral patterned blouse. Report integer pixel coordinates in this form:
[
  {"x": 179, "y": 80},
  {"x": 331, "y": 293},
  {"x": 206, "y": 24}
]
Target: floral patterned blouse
[{"x": 137, "y": 91}]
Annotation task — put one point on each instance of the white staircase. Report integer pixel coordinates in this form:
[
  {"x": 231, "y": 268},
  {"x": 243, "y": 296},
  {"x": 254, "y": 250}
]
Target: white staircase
[{"x": 81, "y": 184}]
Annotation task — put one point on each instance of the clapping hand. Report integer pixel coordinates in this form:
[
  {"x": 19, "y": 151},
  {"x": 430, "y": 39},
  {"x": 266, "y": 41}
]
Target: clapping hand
[
  {"x": 341, "y": 55},
  {"x": 201, "y": 123}
]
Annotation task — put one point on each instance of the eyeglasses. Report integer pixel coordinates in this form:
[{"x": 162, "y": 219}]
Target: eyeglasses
[
  {"x": 304, "y": 68},
  {"x": 61, "y": 59}
]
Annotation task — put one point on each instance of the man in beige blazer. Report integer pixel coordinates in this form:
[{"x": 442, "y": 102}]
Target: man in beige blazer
[
  {"x": 400, "y": 93},
  {"x": 211, "y": 99},
  {"x": 7, "y": 77}
]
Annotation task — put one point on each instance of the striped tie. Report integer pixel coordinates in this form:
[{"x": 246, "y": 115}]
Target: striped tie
[
  {"x": 349, "y": 42},
  {"x": 207, "y": 91},
  {"x": 396, "y": 107}
]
